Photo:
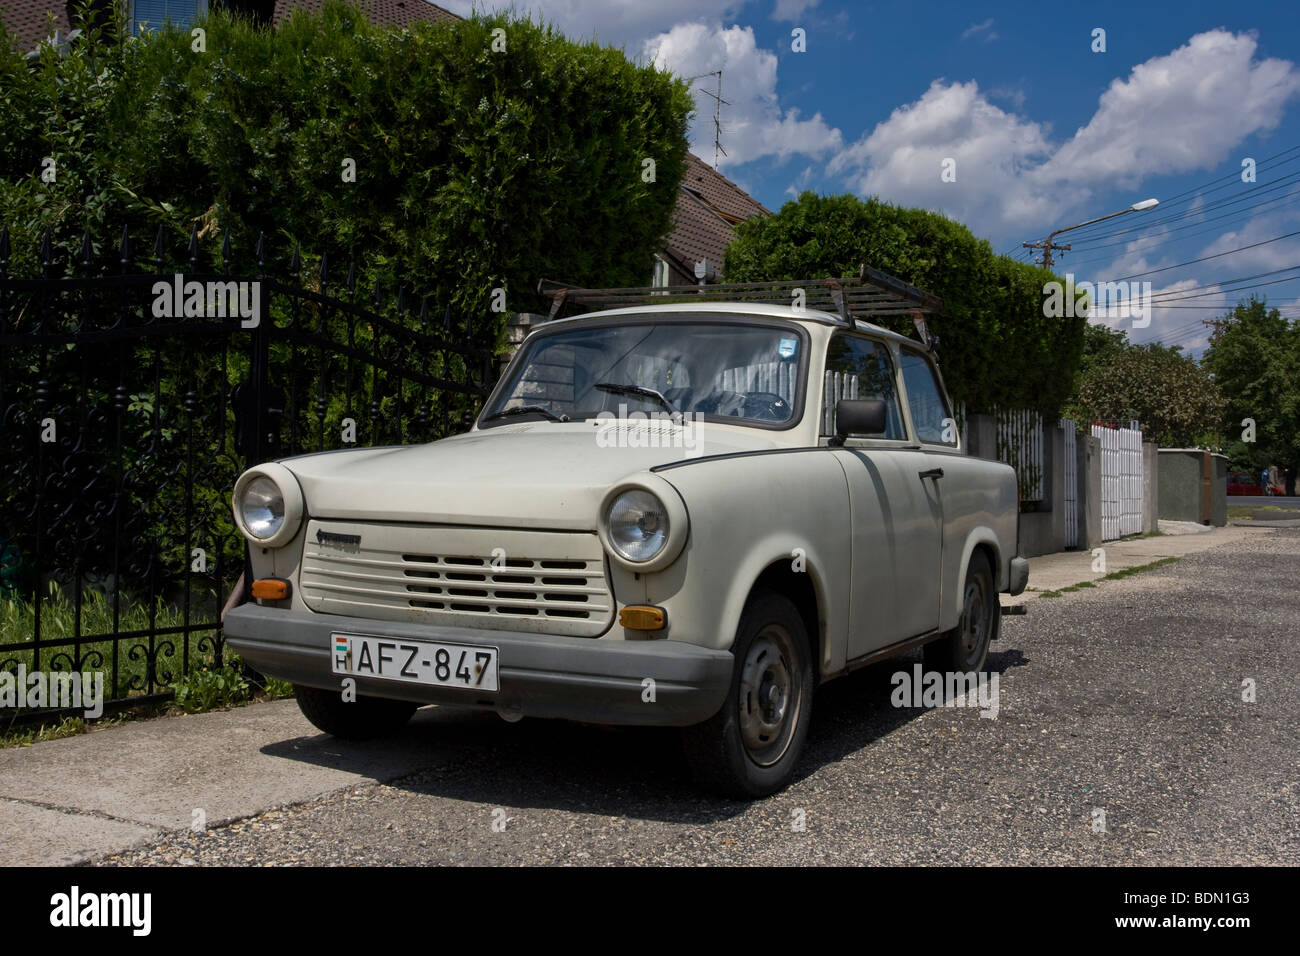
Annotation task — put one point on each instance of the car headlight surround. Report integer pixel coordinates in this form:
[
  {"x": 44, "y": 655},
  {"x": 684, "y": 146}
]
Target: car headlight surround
[
  {"x": 643, "y": 523},
  {"x": 268, "y": 505}
]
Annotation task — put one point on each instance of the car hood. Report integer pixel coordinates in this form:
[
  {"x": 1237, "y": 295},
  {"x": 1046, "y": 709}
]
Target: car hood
[{"x": 526, "y": 475}]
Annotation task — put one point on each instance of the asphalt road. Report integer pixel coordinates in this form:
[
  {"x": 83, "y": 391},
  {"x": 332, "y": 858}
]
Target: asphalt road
[
  {"x": 1263, "y": 501},
  {"x": 1126, "y": 698}
]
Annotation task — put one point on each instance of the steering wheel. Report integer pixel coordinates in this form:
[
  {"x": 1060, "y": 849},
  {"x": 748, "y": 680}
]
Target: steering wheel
[{"x": 766, "y": 406}]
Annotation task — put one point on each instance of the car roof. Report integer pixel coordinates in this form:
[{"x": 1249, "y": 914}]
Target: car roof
[{"x": 764, "y": 309}]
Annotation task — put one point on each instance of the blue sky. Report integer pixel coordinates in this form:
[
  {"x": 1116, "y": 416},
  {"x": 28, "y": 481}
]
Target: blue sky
[{"x": 1043, "y": 131}]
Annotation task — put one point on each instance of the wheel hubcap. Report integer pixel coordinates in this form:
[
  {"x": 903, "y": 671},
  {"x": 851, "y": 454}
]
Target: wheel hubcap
[
  {"x": 769, "y": 697},
  {"x": 974, "y": 623}
]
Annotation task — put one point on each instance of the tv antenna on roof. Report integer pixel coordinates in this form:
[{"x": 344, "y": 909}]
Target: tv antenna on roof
[{"x": 718, "y": 103}]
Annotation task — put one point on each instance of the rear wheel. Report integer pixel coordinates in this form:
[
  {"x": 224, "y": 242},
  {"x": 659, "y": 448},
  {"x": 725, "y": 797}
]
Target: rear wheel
[
  {"x": 751, "y": 746},
  {"x": 966, "y": 647},
  {"x": 352, "y": 720}
]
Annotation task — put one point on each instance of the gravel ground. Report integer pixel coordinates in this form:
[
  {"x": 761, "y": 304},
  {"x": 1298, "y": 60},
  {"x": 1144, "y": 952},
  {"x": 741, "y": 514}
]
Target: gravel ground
[{"x": 1125, "y": 699}]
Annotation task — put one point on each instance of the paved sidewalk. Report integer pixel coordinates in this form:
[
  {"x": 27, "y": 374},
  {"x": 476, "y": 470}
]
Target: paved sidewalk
[
  {"x": 1051, "y": 572},
  {"x": 66, "y": 801}
]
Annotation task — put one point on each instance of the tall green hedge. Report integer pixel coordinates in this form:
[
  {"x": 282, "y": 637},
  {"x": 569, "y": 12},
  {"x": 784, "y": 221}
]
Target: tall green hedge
[
  {"x": 475, "y": 168},
  {"x": 995, "y": 345}
]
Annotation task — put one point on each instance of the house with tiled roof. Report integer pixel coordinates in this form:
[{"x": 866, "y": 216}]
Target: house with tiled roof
[{"x": 709, "y": 205}]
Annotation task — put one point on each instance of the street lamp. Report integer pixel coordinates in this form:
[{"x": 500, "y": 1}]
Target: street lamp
[{"x": 1048, "y": 246}]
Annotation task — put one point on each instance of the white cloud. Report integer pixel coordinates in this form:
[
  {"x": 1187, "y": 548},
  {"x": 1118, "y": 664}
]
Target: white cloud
[
  {"x": 1176, "y": 113},
  {"x": 791, "y": 10},
  {"x": 754, "y": 125},
  {"x": 984, "y": 30},
  {"x": 902, "y": 159}
]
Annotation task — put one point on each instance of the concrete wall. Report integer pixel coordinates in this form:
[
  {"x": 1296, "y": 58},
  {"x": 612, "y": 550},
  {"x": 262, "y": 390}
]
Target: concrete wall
[
  {"x": 1179, "y": 483},
  {"x": 1150, "y": 486},
  {"x": 1089, "y": 467}
]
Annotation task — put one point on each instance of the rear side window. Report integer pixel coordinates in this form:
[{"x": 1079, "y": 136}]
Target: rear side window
[
  {"x": 930, "y": 414},
  {"x": 860, "y": 368}
]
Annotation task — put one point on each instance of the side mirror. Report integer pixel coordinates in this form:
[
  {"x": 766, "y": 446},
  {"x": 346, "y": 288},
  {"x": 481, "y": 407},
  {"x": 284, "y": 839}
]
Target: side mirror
[{"x": 859, "y": 416}]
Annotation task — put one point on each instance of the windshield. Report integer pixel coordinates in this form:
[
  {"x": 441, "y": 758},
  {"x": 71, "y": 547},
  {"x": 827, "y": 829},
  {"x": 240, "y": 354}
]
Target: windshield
[{"x": 711, "y": 369}]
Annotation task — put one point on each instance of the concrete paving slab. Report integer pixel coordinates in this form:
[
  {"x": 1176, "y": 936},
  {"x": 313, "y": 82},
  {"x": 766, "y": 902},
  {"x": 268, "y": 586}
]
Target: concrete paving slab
[
  {"x": 156, "y": 773},
  {"x": 39, "y": 836}
]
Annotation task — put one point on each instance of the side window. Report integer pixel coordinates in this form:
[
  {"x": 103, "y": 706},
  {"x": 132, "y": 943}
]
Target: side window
[
  {"x": 860, "y": 368},
  {"x": 930, "y": 414}
]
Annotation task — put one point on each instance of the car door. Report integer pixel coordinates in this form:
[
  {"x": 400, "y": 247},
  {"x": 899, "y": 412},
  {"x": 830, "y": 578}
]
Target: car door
[
  {"x": 952, "y": 493},
  {"x": 894, "y": 512}
]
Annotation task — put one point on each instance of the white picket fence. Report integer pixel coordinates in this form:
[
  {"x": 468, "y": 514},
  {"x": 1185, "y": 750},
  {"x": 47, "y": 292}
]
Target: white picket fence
[{"x": 1121, "y": 480}]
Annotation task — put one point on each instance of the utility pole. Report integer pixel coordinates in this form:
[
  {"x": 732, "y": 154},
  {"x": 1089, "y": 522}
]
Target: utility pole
[{"x": 1047, "y": 246}]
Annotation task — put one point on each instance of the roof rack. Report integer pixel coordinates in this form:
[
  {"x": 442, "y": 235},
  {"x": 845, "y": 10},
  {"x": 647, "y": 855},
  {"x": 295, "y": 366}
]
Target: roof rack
[{"x": 869, "y": 294}]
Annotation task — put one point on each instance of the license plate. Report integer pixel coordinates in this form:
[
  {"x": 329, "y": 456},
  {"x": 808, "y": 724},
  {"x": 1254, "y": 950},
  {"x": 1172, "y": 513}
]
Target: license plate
[{"x": 418, "y": 662}]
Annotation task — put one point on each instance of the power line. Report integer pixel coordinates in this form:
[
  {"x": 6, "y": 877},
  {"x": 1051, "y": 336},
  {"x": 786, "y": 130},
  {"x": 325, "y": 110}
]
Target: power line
[
  {"x": 1166, "y": 239},
  {"x": 1217, "y": 255},
  {"x": 1188, "y": 195},
  {"x": 1222, "y": 283}
]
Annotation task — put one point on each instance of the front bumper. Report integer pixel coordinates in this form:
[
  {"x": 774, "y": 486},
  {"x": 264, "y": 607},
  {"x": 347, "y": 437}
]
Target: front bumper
[
  {"x": 579, "y": 678},
  {"x": 1018, "y": 578}
]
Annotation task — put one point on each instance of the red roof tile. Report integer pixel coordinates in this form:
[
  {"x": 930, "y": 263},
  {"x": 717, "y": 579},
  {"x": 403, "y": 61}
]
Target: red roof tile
[
  {"x": 28, "y": 21},
  {"x": 708, "y": 207},
  {"x": 397, "y": 13}
]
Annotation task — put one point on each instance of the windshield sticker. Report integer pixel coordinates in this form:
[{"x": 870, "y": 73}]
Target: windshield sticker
[{"x": 786, "y": 348}]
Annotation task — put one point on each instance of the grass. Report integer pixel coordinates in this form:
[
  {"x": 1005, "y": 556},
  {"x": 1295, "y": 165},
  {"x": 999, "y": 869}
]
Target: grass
[
  {"x": 1113, "y": 576},
  {"x": 59, "y": 622},
  {"x": 1247, "y": 512},
  {"x": 206, "y": 687}
]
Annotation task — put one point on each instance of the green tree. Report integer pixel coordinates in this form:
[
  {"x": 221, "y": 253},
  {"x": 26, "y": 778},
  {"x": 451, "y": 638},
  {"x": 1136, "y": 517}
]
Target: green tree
[
  {"x": 1254, "y": 356},
  {"x": 476, "y": 167},
  {"x": 996, "y": 345},
  {"x": 1174, "y": 398}
]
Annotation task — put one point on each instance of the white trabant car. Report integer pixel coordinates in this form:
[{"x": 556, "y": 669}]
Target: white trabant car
[{"x": 680, "y": 515}]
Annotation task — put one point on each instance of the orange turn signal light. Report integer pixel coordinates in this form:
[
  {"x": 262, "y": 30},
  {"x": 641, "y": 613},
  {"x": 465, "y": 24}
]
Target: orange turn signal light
[
  {"x": 270, "y": 589},
  {"x": 642, "y": 617}
]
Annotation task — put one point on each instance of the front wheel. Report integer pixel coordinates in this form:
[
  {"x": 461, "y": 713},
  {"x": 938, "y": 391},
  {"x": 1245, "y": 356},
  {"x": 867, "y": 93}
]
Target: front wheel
[
  {"x": 750, "y": 747},
  {"x": 352, "y": 720}
]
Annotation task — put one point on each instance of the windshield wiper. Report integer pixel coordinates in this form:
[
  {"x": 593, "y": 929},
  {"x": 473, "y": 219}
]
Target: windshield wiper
[
  {"x": 642, "y": 390},
  {"x": 525, "y": 410}
]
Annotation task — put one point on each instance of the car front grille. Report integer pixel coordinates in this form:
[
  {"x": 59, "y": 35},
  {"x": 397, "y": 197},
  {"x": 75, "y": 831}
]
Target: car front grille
[{"x": 541, "y": 581}]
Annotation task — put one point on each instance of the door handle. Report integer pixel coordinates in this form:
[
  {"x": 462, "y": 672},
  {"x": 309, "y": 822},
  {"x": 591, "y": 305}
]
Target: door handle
[{"x": 932, "y": 473}]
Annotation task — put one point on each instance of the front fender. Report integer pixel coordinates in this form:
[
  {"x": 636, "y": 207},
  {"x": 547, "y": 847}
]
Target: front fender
[{"x": 790, "y": 509}]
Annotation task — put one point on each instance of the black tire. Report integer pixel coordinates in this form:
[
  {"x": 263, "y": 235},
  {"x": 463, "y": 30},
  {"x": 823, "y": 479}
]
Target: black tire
[
  {"x": 741, "y": 751},
  {"x": 356, "y": 720},
  {"x": 966, "y": 647}
]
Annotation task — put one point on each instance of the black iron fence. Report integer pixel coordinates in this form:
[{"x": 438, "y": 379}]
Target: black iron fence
[{"x": 132, "y": 394}]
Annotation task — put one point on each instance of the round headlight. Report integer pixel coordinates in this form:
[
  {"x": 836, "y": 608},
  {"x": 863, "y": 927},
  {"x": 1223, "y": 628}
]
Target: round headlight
[
  {"x": 268, "y": 505},
  {"x": 262, "y": 506},
  {"x": 637, "y": 525}
]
